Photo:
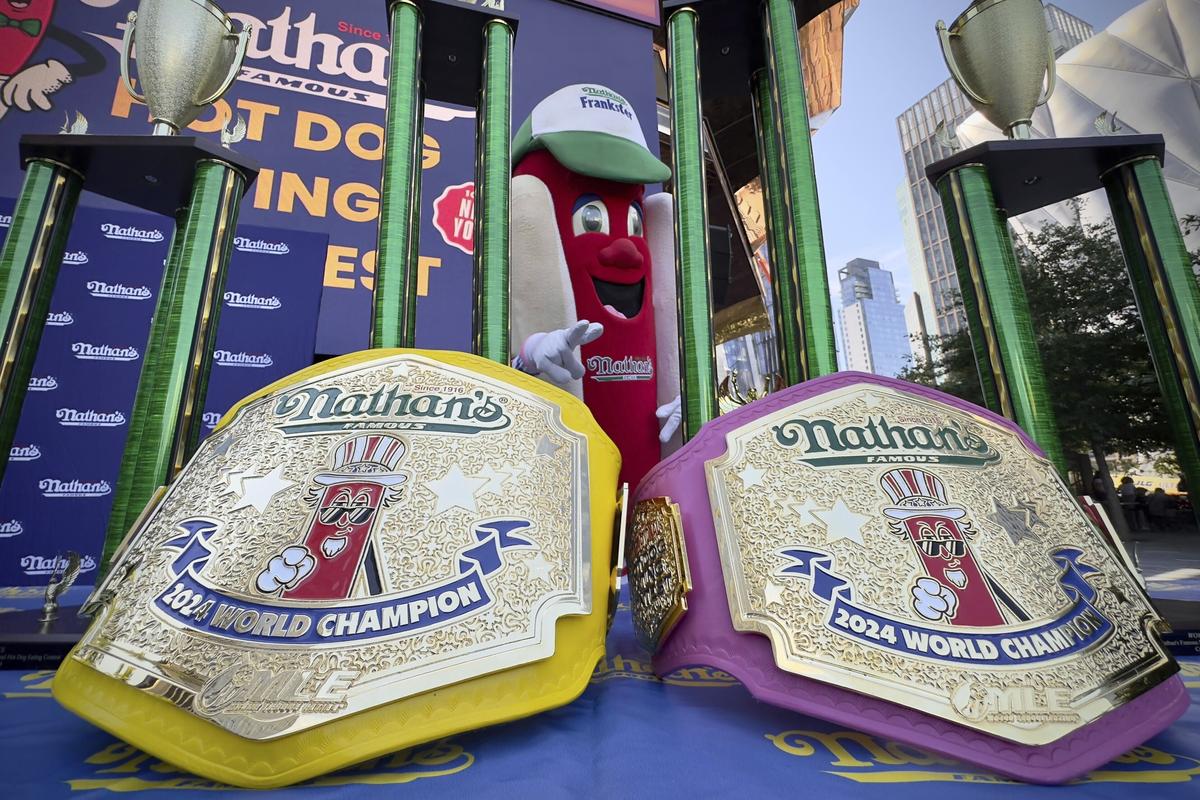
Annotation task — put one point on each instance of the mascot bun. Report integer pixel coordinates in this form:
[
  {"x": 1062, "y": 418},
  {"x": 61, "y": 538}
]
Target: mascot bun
[{"x": 588, "y": 245}]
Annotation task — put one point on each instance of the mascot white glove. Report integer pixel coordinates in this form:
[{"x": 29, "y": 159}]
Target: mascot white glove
[
  {"x": 933, "y": 601},
  {"x": 33, "y": 85},
  {"x": 669, "y": 418},
  {"x": 554, "y": 355}
]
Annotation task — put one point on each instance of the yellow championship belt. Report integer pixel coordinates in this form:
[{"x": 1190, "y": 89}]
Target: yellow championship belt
[{"x": 380, "y": 550}]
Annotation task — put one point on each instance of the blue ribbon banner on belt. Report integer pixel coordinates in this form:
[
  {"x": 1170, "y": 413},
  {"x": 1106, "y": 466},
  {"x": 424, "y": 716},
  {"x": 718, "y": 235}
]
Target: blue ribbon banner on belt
[
  {"x": 193, "y": 602},
  {"x": 1076, "y": 628}
]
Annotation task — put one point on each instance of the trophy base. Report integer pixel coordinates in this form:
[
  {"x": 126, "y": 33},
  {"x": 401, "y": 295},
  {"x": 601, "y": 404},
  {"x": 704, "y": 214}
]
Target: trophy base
[
  {"x": 165, "y": 167},
  {"x": 27, "y": 643},
  {"x": 1032, "y": 173}
]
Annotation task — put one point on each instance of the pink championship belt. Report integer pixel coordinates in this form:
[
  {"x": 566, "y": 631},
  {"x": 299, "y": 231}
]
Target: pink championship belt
[{"x": 886, "y": 557}]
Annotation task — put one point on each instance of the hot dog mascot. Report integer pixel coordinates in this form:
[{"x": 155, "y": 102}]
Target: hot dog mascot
[{"x": 593, "y": 283}]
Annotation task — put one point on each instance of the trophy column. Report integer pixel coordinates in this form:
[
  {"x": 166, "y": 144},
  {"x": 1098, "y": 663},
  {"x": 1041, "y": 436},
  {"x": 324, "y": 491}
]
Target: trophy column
[
  {"x": 395, "y": 297},
  {"x": 493, "y": 190},
  {"x": 165, "y": 424},
  {"x": 1167, "y": 295},
  {"x": 29, "y": 265},
  {"x": 805, "y": 251},
  {"x": 787, "y": 301},
  {"x": 697, "y": 370},
  {"x": 1010, "y": 367}
]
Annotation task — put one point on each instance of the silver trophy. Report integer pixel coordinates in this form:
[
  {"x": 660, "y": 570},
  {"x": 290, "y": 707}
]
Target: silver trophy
[
  {"x": 188, "y": 56},
  {"x": 1000, "y": 56}
]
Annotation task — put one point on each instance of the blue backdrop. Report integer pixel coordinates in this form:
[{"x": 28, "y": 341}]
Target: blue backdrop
[{"x": 58, "y": 488}]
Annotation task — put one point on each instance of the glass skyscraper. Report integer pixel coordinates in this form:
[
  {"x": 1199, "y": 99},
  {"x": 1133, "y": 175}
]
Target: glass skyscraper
[
  {"x": 933, "y": 266},
  {"x": 874, "y": 334}
]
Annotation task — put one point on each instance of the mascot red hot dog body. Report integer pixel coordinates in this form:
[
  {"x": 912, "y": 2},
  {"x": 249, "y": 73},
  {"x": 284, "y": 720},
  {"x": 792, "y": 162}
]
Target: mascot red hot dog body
[{"x": 593, "y": 300}]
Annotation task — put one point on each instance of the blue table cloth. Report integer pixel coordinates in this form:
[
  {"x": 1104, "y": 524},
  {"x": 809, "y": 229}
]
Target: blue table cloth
[{"x": 695, "y": 734}]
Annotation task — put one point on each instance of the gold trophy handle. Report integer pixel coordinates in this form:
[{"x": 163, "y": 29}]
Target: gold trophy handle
[
  {"x": 243, "y": 38},
  {"x": 944, "y": 37},
  {"x": 126, "y": 54},
  {"x": 1051, "y": 75}
]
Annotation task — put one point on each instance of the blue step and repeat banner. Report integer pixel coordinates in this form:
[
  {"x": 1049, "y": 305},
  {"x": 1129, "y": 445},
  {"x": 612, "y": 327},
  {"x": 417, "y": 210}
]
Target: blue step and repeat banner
[
  {"x": 312, "y": 93},
  {"x": 58, "y": 489}
]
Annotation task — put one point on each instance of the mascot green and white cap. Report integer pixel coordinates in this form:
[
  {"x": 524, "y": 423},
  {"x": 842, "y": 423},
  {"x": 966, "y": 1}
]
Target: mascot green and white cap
[{"x": 593, "y": 131}]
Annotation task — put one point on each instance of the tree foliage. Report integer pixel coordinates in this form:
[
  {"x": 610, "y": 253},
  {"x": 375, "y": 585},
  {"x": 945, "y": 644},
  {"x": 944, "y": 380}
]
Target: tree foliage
[{"x": 1100, "y": 376}]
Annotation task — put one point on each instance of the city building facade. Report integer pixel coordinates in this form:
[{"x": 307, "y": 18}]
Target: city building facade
[{"x": 874, "y": 334}]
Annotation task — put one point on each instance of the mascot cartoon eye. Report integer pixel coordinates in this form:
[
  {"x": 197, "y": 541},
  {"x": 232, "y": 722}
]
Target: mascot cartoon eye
[
  {"x": 634, "y": 224},
  {"x": 591, "y": 215}
]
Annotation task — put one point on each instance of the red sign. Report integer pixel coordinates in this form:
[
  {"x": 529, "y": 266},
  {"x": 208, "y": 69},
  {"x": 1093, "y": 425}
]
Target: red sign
[
  {"x": 454, "y": 216},
  {"x": 641, "y": 10}
]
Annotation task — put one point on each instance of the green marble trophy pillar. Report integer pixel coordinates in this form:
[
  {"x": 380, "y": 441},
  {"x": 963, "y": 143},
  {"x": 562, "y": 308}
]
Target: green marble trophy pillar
[
  {"x": 493, "y": 187},
  {"x": 188, "y": 57},
  {"x": 1168, "y": 298},
  {"x": 29, "y": 263},
  {"x": 395, "y": 298},
  {"x": 999, "y": 54},
  {"x": 697, "y": 368},
  {"x": 993, "y": 297},
  {"x": 803, "y": 289}
]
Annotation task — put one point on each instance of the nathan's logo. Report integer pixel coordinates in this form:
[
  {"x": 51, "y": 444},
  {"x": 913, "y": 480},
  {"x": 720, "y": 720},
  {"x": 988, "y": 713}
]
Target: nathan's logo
[
  {"x": 210, "y": 419},
  {"x": 48, "y": 565},
  {"x": 120, "y": 767},
  {"x": 87, "y": 418},
  {"x": 118, "y": 291},
  {"x": 624, "y": 667},
  {"x": 239, "y": 300},
  {"x": 245, "y": 245},
  {"x": 864, "y": 759},
  {"x": 130, "y": 233},
  {"x": 605, "y": 369},
  {"x": 60, "y": 319},
  {"x": 25, "y": 452},
  {"x": 597, "y": 97},
  {"x": 53, "y": 487},
  {"x": 228, "y": 358},
  {"x": 76, "y": 258},
  {"x": 827, "y": 443},
  {"x": 389, "y": 408},
  {"x": 45, "y": 383},
  {"x": 10, "y": 528},
  {"x": 103, "y": 352}
]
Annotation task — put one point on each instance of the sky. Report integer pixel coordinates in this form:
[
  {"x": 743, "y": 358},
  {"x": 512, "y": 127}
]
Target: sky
[{"x": 892, "y": 59}]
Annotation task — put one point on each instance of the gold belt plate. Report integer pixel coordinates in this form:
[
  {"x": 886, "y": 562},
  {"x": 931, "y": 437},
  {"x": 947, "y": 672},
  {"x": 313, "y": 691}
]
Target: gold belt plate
[
  {"x": 376, "y": 531},
  {"x": 920, "y": 553}
]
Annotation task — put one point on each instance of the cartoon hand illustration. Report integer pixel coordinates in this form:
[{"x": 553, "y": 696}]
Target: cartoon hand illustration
[
  {"x": 286, "y": 570},
  {"x": 33, "y": 85},
  {"x": 933, "y": 601},
  {"x": 553, "y": 355},
  {"x": 669, "y": 418}
]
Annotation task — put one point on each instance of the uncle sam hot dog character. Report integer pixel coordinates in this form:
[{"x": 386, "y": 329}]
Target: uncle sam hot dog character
[
  {"x": 956, "y": 589},
  {"x": 593, "y": 295},
  {"x": 336, "y": 559}
]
